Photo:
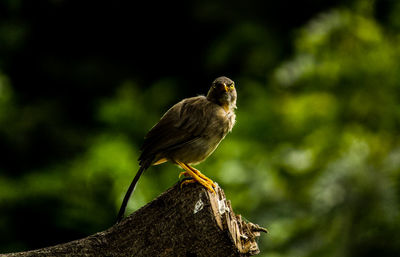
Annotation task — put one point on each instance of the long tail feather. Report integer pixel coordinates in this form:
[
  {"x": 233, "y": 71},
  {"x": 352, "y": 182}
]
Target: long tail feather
[{"x": 129, "y": 193}]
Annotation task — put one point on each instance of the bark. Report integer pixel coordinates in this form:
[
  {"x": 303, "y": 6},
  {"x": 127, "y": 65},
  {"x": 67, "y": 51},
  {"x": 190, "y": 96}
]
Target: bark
[{"x": 180, "y": 222}]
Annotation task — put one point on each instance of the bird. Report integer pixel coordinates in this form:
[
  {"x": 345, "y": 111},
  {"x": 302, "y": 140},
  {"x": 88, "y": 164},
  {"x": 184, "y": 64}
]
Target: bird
[{"x": 187, "y": 134}]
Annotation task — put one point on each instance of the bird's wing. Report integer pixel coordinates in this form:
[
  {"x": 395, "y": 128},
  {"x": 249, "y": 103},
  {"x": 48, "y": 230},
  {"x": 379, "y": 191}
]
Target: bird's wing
[{"x": 181, "y": 124}]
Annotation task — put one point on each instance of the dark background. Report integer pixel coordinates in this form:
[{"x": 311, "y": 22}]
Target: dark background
[{"x": 316, "y": 144}]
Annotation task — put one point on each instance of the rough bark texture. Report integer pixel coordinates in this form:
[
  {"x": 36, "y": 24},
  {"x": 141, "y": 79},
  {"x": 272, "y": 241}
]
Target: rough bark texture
[{"x": 180, "y": 222}]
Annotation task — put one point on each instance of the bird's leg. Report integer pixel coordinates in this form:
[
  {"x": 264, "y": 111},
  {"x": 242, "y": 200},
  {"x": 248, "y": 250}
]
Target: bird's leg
[
  {"x": 201, "y": 175},
  {"x": 195, "y": 177},
  {"x": 198, "y": 173}
]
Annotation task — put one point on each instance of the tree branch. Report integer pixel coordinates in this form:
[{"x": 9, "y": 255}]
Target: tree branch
[{"x": 180, "y": 222}]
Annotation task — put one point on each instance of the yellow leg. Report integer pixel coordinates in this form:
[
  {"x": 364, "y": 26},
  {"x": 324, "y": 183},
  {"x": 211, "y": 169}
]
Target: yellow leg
[
  {"x": 206, "y": 182},
  {"x": 198, "y": 173},
  {"x": 201, "y": 175}
]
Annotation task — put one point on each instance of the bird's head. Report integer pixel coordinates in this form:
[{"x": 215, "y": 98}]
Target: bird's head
[{"x": 223, "y": 92}]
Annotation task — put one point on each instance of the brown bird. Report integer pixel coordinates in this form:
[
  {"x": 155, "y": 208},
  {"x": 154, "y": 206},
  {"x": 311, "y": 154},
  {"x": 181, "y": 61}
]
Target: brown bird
[{"x": 188, "y": 133}]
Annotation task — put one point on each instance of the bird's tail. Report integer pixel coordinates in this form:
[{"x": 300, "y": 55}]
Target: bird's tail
[{"x": 129, "y": 193}]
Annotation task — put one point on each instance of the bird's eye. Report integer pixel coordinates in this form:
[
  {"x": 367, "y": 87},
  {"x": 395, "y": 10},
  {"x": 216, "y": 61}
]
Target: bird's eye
[{"x": 232, "y": 86}]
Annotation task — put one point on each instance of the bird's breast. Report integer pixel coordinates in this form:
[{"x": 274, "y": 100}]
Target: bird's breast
[{"x": 225, "y": 120}]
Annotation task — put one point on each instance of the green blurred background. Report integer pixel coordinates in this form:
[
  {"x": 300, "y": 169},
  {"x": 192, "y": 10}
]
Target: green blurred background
[{"x": 314, "y": 156}]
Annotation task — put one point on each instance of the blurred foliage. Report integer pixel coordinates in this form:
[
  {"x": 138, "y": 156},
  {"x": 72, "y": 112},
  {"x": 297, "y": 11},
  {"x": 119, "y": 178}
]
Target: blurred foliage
[{"x": 314, "y": 157}]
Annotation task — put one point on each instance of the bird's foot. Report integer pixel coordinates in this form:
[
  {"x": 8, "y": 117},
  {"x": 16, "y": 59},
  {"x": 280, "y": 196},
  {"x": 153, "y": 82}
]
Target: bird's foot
[
  {"x": 189, "y": 180},
  {"x": 193, "y": 175},
  {"x": 201, "y": 175},
  {"x": 187, "y": 176}
]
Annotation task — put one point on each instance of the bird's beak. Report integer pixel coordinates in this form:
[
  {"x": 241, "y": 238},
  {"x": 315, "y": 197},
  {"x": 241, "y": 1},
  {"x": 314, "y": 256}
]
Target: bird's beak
[{"x": 226, "y": 88}]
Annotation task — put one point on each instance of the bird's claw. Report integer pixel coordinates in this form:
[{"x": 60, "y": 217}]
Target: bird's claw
[
  {"x": 183, "y": 173},
  {"x": 210, "y": 186},
  {"x": 195, "y": 175}
]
